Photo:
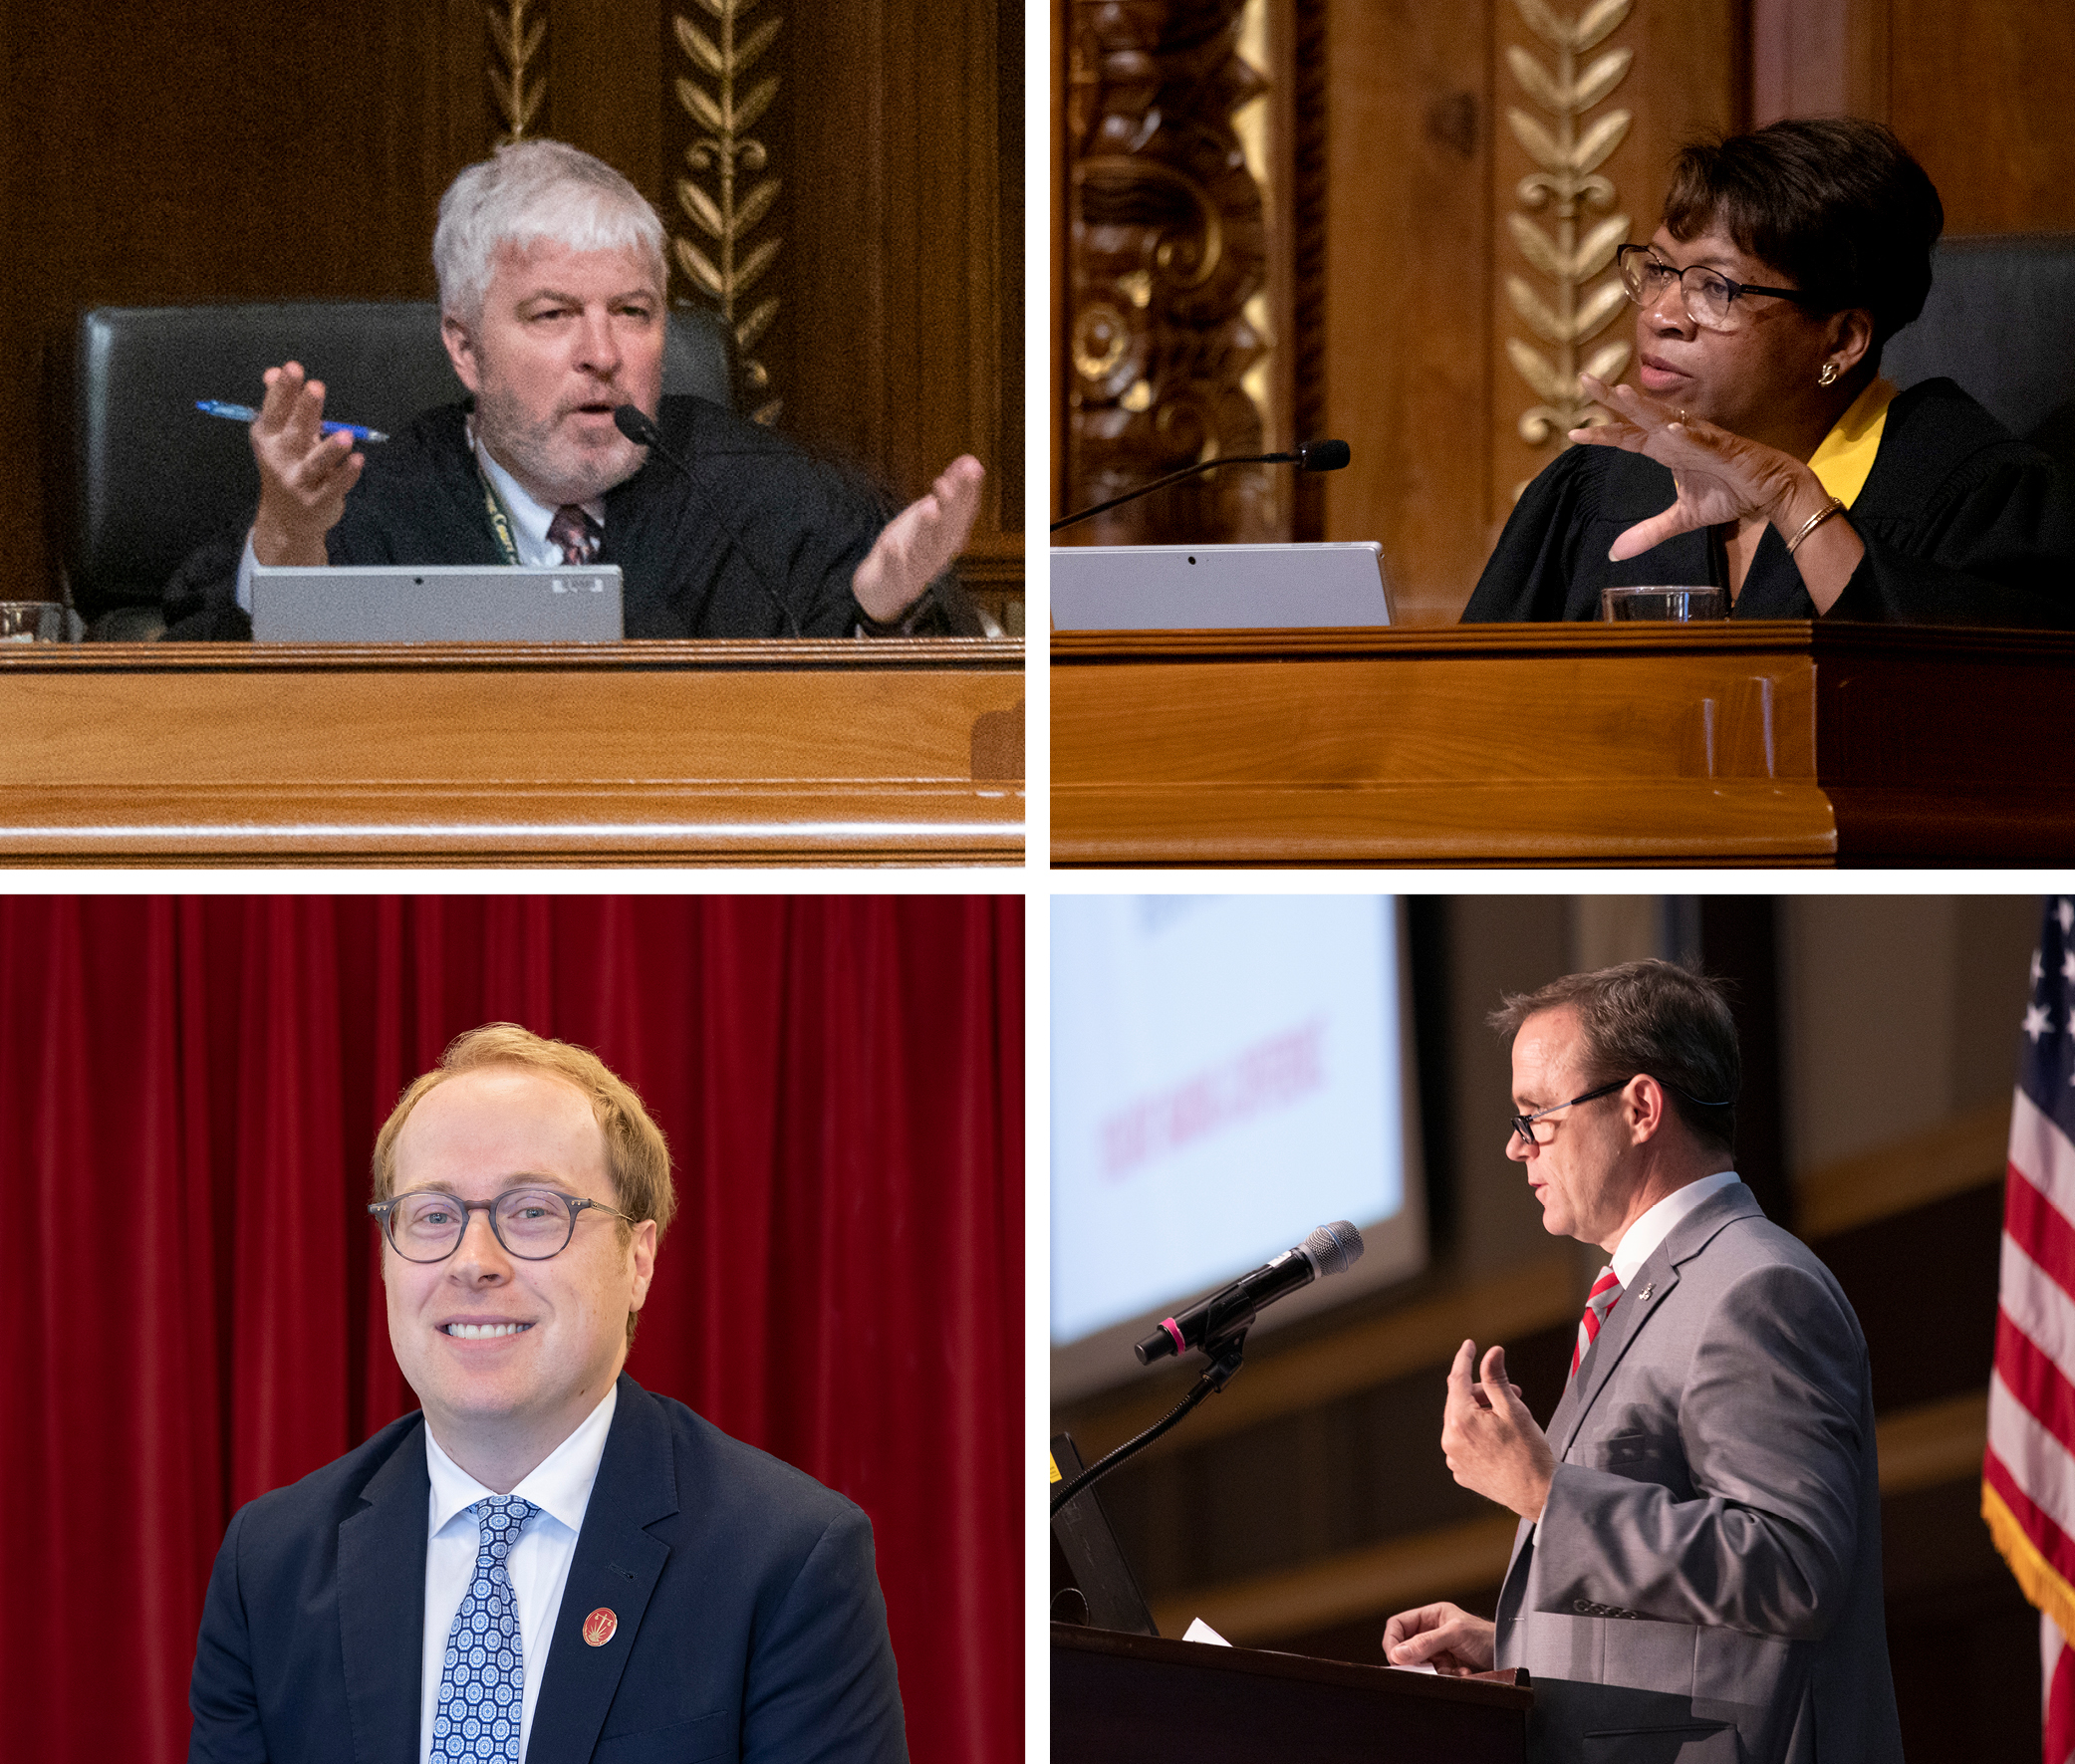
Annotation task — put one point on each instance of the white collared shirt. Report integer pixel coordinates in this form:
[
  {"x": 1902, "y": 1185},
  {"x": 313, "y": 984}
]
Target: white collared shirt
[
  {"x": 1641, "y": 1240},
  {"x": 560, "y": 1486},
  {"x": 530, "y": 522}
]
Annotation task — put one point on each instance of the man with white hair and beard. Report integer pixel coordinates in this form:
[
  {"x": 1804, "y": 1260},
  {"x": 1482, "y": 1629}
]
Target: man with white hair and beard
[{"x": 551, "y": 292}]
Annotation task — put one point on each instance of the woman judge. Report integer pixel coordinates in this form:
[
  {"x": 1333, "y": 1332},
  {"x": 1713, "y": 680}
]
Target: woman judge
[{"x": 1763, "y": 453}]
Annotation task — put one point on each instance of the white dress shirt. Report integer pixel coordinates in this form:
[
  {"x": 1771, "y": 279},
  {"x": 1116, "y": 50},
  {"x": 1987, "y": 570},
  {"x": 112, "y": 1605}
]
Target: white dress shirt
[
  {"x": 560, "y": 1486},
  {"x": 1641, "y": 1239},
  {"x": 530, "y": 522}
]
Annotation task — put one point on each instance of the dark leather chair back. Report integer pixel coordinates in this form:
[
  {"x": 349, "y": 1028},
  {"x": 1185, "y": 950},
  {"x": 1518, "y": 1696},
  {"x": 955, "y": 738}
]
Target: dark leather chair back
[
  {"x": 152, "y": 478},
  {"x": 2000, "y": 320}
]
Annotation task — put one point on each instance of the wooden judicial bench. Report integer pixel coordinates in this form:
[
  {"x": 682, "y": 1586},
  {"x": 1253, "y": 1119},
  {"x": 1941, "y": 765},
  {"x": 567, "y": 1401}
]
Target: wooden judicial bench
[
  {"x": 831, "y": 752},
  {"x": 1788, "y": 743},
  {"x": 1125, "y": 1699}
]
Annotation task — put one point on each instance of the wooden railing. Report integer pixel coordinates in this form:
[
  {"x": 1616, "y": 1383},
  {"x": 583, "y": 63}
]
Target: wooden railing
[
  {"x": 1761, "y": 743},
  {"x": 895, "y": 752}
]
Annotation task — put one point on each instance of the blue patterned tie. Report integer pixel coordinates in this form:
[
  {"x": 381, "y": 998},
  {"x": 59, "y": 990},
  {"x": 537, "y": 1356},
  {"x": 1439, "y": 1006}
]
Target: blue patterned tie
[{"x": 483, "y": 1684}]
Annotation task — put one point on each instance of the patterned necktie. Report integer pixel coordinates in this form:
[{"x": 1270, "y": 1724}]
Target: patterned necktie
[
  {"x": 1605, "y": 1291},
  {"x": 483, "y": 1686},
  {"x": 575, "y": 533}
]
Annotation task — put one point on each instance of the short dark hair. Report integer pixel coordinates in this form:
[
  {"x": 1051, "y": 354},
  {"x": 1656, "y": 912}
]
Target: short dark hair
[
  {"x": 1836, "y": 202},
  {"x": 1652, "y": 1017}
]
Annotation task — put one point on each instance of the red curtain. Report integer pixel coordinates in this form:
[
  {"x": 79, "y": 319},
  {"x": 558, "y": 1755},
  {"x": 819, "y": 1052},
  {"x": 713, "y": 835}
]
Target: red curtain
[{"x": 188, "y": 1093}]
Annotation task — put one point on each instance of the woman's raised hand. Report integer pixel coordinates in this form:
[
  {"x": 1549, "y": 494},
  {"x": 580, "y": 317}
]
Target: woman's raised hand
[{"x": 1720, "y": 476}]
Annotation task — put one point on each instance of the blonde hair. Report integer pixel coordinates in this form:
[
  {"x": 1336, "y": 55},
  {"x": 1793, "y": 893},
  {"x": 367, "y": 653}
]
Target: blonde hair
[{"x": 638, "y": 1157}]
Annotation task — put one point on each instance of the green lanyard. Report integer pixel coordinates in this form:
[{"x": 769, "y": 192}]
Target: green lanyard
[{"x": 500, "y": 522}]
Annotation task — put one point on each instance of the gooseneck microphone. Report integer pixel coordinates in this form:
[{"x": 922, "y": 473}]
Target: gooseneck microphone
[
  {"x": 1217, "y": 1325},
  {"x": 1309, "y": 456},
  {"x": 1331, "y": 1249},
  {"x": 635, "y": 425}
]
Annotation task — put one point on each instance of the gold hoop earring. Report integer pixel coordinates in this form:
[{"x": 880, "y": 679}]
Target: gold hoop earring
[{"x": 1829, "y": 375}]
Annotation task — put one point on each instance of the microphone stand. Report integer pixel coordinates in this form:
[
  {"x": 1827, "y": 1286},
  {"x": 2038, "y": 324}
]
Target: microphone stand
[
  {"x": 1225, "y": 1351},
  {"x": 1312, "y": 456}
]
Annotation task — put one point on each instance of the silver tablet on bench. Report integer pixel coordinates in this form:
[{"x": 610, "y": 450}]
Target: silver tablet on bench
[
  {"x": 1218, "y": 586},
  {"x": 437, "y": 604}
]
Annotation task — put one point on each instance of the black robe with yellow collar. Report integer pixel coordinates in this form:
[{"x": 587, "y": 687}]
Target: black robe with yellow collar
[{"x": 1963, "y": 524}]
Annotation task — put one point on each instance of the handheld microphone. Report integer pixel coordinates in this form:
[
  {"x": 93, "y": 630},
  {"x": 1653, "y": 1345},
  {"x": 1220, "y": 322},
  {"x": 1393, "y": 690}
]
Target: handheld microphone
[
  {"x": 1309, "y": 456},
  {"x": 635, "y": 425},
  {"x": 1331, "y": 1249}
]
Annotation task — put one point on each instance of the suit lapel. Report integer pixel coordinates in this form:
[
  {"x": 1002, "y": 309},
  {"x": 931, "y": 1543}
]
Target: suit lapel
[
  {"x": 1658, "y": 1276},
  {"x": 382, "y": 1604},
  {"x": 615, "y": 1567}
]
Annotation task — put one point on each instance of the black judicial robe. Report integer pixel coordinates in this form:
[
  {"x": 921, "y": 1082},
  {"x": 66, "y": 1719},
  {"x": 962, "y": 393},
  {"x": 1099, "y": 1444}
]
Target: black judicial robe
[
  {"x": 419, "y": 501},
  {"x": 1963, "y": 524}
]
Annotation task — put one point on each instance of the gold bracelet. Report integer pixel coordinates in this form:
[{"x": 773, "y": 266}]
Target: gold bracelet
[{"x": 1815, "y": 520}]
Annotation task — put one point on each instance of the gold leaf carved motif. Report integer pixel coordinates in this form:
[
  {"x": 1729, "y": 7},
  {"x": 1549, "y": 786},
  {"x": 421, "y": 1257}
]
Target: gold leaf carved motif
[
  {"x": 517, "y": 41},
  {"x": 722, "y": 197},
  {"x": 1567, "y": 152},
  {"x": 1597, "y": 22},
  {"x": 1601, "y": 78}
]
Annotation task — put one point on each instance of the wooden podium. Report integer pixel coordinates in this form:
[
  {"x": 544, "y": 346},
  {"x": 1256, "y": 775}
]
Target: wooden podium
[
  {"x": 1125, "y": 1699},
  {"x": 831, "y": 752},
  {"x": 1727, "y": 743}
]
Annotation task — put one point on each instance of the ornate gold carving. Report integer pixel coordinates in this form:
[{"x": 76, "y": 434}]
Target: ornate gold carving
[
  {"x": 516, "y": 42},
  {"x": 1167, "y": 246},
  {"x": 731, "y": 210},
  {"x": 1568, "y": 183}
]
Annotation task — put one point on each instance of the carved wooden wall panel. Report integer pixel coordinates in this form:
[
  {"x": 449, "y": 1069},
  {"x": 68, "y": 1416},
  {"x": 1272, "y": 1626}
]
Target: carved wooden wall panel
[
  {"x": 1422, "y": 240},
  {"x": 1680, "y": 80},
  {"x": 1408, "y": 277},
  {"x": 1978, "y": 89},
  {"x": 1167, "y": 244}
]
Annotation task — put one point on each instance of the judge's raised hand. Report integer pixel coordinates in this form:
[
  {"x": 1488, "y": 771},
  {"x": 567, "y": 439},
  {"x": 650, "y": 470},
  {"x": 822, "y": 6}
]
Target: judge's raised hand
[
  {"x": 919, "y": 542},
  {"x": 304, "y": 473},
  {"x": 1443, "y": 1636},
  {"x": 1720, "y": 476},
  {"x": 1491, "y": 1442}
]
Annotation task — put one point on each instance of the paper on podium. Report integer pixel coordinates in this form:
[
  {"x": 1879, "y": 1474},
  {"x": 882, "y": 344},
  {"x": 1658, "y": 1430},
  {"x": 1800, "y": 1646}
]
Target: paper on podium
[{"x": 1199, "y": 1630}]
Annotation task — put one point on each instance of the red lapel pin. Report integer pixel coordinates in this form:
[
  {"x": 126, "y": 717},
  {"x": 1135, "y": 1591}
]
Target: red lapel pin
[{"x": 599, "y": 1626}]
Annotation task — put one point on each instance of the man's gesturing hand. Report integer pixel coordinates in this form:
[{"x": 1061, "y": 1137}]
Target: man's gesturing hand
[
  {"x": 919, "y": 542},
  {"x": 1491, "y": 1442},
  {"x": 304, "y": 473},
  {"x": 1443, "y": 1636}
]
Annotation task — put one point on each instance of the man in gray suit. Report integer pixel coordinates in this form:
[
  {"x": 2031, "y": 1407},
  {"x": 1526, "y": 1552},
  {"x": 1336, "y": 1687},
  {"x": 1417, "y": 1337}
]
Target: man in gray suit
[{"x": 1697, "y": 1570}]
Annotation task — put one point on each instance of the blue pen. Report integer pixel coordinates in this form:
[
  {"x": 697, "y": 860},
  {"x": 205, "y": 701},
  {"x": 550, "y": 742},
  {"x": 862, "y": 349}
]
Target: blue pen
[{"x": 246, "y": 413}]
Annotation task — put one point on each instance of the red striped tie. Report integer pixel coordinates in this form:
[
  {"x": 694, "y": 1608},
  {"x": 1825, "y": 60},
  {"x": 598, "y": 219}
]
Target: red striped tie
[{"x": 1605, "y": 1292}]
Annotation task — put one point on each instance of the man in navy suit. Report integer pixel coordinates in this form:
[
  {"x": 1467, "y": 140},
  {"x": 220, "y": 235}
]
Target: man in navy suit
[{"x": 547, "y": 1563}]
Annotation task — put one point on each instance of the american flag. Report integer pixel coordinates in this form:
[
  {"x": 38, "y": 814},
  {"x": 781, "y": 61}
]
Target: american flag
[{"x": 2028, "y": 1473}]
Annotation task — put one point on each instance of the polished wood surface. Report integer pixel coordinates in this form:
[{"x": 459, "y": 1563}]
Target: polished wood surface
[
  {"x": 898, "y": 752},
  {"x": 1133, "y": 1697},
  {"x": 1760, "y": 743},
  {"x": 1974, "y": 88}
]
